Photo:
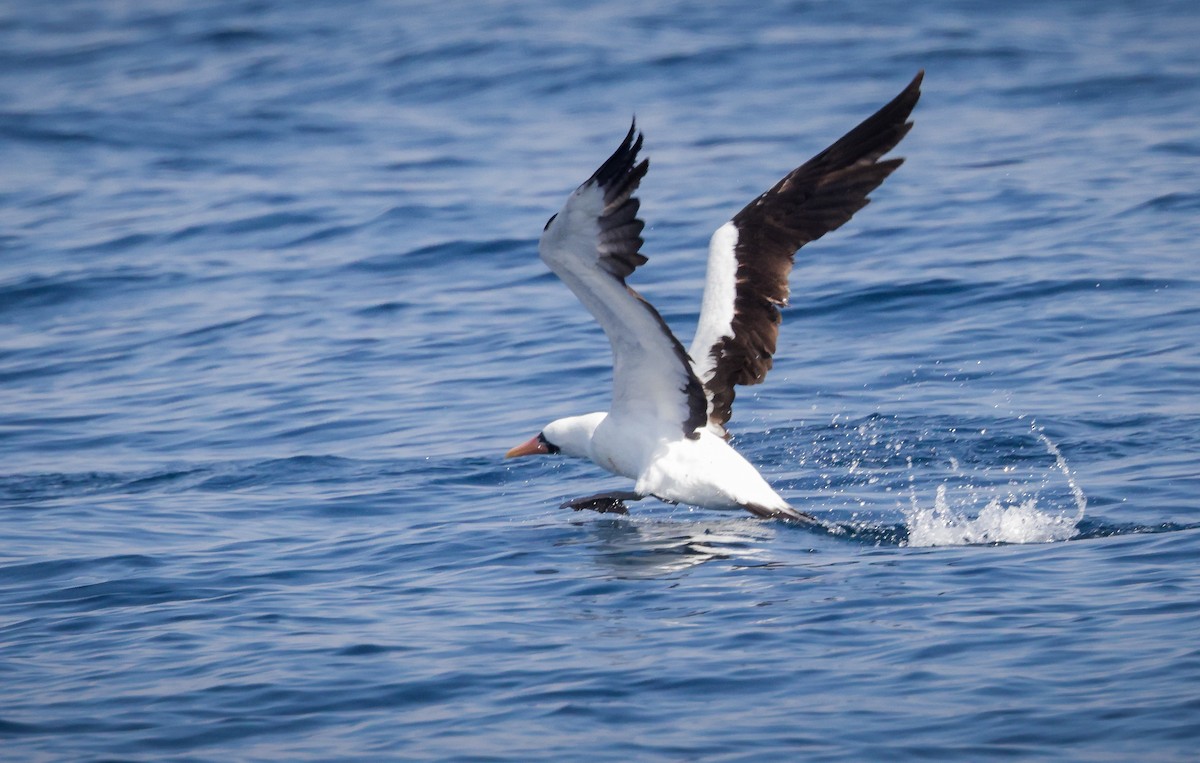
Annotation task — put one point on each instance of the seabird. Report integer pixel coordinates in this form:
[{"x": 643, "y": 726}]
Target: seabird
[{"x": 666, "y": 426}]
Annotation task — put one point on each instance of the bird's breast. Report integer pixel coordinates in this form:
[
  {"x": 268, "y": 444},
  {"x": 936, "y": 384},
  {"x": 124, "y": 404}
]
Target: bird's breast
[{"x": 624, "y": 447}]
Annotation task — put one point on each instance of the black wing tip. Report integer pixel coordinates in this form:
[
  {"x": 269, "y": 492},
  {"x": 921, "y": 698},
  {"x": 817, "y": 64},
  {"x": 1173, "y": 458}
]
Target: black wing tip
[
  {"x": 882, "y": 131},
  {"x": 907, "y": 99},
  {"x": 876, "y": 135},
  {"x": 618, "y": 179},
  {"x": 622, "y": 164},
  {"x": 633, "y": 130},
  {"x": 899, "y": 109},
  {"x": 862, "y": 148},
  {"x": 914, "y": 87}
]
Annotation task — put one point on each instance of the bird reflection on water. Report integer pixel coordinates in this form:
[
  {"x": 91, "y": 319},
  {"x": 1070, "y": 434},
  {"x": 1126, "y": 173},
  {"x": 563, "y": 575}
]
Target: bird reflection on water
[{"x": 649, "y": 547}]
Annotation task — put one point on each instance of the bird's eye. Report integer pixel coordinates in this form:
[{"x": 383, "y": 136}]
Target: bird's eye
[
  {"x": 551, "y": 448},
  {"x": 549, "y": 221}
]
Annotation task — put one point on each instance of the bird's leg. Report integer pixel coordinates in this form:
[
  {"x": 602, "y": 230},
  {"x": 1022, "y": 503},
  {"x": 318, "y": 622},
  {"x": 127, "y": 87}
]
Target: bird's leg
[{"x": 605, "y": 503}]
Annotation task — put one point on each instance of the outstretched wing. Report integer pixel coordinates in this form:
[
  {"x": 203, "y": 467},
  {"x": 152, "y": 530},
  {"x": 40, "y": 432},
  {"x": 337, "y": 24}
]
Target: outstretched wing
[
  {"x": 750, "y": 257},
  {"x": 592, "y": 245}
]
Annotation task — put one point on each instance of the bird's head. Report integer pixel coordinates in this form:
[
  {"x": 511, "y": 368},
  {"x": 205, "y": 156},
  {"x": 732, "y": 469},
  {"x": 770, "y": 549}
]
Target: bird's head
[
  {"x": 538, "y": 444},
  {"x": 571, "y": 436}
]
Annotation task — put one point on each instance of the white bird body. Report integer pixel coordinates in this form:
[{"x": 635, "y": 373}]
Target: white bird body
[
  {"x": 666, "y": 426},
  {"x": 706, "y": 471}
]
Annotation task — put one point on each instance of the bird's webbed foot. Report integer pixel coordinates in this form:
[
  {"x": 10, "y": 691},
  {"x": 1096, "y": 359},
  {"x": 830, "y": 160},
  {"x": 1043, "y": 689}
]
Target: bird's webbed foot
[{"x": 604, "y": 503}]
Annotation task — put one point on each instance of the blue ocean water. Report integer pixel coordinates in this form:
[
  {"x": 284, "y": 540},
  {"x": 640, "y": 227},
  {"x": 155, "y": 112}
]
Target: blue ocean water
[{"x": 271, "y": 312}]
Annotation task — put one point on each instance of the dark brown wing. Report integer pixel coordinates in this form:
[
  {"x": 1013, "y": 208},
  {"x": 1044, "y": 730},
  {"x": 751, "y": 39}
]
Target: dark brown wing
[{"x": 736, "y": 346}]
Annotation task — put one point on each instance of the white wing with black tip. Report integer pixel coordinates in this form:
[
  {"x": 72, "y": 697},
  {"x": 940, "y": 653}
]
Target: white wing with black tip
[{"x": 592, "y": 244}]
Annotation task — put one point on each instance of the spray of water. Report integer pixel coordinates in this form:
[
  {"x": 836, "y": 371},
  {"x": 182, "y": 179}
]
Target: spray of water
[{"x": 1002, "y": 520}]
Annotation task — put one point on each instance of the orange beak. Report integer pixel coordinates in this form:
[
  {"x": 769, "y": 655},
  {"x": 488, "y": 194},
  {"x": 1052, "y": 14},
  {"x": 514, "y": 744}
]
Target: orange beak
[{"x": 535, "y": 445}]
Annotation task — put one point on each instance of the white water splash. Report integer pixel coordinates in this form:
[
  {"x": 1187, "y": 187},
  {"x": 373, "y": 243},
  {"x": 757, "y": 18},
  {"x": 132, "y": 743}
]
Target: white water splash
[{"x": 999, "y": 521}]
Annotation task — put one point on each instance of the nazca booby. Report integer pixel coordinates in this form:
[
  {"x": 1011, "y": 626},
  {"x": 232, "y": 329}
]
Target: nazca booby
[{"x": 665, "y": 428}]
